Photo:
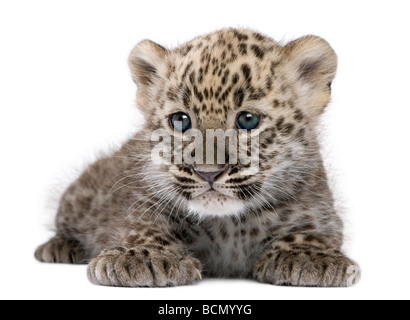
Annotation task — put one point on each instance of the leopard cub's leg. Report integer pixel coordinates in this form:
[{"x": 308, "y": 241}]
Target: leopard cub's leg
[
  {"x": 305, "y": 260},
  {"x": 159, "y": 262},
  {"x": 61, "y": 250}
]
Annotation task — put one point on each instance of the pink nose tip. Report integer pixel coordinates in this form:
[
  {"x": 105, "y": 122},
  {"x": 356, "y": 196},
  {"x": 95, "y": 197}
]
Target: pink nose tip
[{"x": 210, "y": 177}]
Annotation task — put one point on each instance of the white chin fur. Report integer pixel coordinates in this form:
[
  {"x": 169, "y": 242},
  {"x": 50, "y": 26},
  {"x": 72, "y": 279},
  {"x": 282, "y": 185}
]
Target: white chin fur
[{"x": 215, "y": 205}]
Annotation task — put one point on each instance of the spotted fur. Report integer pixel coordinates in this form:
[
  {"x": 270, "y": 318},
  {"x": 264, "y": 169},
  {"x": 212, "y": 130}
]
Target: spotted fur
[{"x": 142, "y": 224}]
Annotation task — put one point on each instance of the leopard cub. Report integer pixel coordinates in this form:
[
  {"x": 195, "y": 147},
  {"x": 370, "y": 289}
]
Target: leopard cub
[{"x": 238, "y": 188}]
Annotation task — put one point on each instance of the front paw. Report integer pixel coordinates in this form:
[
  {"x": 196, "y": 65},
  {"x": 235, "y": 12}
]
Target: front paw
[
  {"x": 307, "y": 268},
  {"x": 124, "y": 267}
]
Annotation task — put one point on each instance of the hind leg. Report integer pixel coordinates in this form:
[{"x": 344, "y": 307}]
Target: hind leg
[{"x": 60, "y": 250}]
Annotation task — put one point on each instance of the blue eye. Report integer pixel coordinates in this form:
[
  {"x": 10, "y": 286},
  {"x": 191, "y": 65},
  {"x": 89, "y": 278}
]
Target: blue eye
[
  {"x": 180, "y": 122},
  {"x": 247, "y": 121}
]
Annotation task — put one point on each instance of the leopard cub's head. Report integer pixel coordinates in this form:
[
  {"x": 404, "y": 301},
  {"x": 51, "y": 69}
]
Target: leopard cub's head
[{"x": 231, "y": 116}]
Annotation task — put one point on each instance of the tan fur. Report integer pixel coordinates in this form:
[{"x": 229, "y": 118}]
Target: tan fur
[{"x": 142, "y": 224}]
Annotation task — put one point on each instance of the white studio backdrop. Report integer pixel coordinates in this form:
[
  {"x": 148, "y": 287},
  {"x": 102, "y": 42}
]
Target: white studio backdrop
[{"x": 66, "y": 95}]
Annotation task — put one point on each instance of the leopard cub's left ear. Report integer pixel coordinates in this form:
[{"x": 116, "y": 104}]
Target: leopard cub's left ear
[
  {"x": 311, "y": 63},
  {"x": 147, "y": 62}
]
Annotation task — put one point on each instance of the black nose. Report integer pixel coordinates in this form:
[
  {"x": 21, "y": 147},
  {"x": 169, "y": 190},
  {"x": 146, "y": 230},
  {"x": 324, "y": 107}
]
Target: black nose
[{"x": 210, "y": 176}]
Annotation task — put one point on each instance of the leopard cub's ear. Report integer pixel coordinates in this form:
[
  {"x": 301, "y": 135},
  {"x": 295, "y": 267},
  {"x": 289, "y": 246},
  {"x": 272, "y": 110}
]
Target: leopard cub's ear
[
  {"x": 147, "y": 63},
  {"x": 311, "y": 63}
]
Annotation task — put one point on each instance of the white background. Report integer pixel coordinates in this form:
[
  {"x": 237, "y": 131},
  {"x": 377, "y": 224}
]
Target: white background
[{"x": 66, "y": 94}]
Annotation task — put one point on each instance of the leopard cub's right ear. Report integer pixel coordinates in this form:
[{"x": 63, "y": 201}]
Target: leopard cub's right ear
[
  {"x": 311, "y": 63},
  {"x": 147, "y": 62}
]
